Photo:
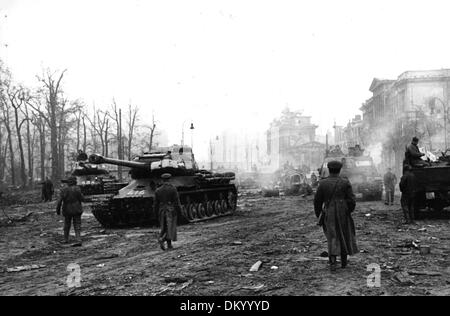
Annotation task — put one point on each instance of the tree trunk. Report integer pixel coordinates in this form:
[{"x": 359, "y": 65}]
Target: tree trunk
[
  {"x": 23, "y": 175},
  {"x": 11, "y": 158},
  {"x": 84, "y": 136},
  {"x": 29, "y": 149},
  {"x": 42, "y": 147},
  {"x": 119, "y": 144}
]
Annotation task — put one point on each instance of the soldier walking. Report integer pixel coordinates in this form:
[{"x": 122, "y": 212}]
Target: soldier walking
[
  {"x": 167, "y": 205},
  {"x": 70, "y": 201},
  {"x": 408, "y": 187},
  {"x": 390, "y": 180},
  {"x": 333, "y": 204}
]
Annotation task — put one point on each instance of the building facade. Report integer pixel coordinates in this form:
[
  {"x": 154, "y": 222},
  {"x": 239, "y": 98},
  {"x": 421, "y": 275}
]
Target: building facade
[
  {"x": 291, "y": 140},
  {"x": 415, "y": 104}
]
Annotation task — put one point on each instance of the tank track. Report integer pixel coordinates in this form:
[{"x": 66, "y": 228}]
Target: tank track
[{"x": 196, "y": 206}]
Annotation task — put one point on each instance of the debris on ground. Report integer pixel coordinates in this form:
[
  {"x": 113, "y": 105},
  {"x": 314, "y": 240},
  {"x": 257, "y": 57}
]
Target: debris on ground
[
  {"x": 403, "y": 278},
  {"x": 26, "y": 268},
  {"x": 255, "y": 267},
  {"x": 254, "y": 287},
  {"x": 214, "y": 257},
  {"x": 427, "y": 273}
]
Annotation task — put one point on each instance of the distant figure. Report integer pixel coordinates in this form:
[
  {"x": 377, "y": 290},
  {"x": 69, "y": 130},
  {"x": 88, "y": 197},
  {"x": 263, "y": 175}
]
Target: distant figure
[
  {"x": 408, "y": 187},
  {"x": 333, "y": 204},
  {"x": 390, "y": 180},
  {"x": 413, "y": 155},
  {"x": 47, "y": 190},
  {"x": 314, "y": 181},
  {"x": 70, "y": 200},
  {"x": 167, "y": 205},
  {"x": 168, "y": 155},
  {"x": 82, "y": 156}
]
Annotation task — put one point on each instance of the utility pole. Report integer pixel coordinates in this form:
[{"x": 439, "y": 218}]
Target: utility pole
[
  {"x": 120, "y": 153},
  {"x": 211, "y": 153}
]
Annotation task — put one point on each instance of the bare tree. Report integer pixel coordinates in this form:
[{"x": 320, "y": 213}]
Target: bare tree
[
  {"x": 17, "y": 97},
  {"x": 131, "y": 122},
  {"x": 100, "y": 124},
  {"x": 52, "y": 85},
  {"x": 30, "y": 144},
  {"x": 152, "y": 133},
  {"x": 6, "y": 120},
  {"x": 40, "y": 123},
  {"x": 118, "y": 120}
]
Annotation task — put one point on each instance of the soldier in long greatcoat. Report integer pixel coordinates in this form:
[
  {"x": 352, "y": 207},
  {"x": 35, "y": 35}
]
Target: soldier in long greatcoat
[
  {"x": 167, "y": 205},
  {"x": 334, "y": 202}
]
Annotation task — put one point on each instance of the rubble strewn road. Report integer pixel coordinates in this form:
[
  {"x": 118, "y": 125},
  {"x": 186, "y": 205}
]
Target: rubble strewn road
[{"x": 215, "y": 257}]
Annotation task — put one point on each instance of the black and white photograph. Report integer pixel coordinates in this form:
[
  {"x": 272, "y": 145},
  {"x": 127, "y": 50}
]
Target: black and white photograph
[{"x": 222, "y": 155}]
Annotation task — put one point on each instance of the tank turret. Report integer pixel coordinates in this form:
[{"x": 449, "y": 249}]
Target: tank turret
[{"x": 93, "y": 179}]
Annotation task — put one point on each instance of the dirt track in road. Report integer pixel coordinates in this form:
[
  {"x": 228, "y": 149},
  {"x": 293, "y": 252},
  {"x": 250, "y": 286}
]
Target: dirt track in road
[{"x": 214, "y": 257}]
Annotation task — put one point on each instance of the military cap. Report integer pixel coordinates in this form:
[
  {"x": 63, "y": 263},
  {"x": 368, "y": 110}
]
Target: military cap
[
  {"x": 166, "y": 176},
  {"x": 334, "y": 165}
]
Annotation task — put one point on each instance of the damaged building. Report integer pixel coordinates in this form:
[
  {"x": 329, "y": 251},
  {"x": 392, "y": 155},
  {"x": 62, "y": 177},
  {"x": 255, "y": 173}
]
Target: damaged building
[
  {"x": 291, "y": 139},
  {"x": 416, "y": 103}
]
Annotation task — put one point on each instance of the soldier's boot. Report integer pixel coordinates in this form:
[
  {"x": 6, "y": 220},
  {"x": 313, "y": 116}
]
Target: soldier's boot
[
  {"x": 344, "y": 260},
  {"x": 169, "y": 245},
  {"x": 66, "y": 235},
  {"x": 333, "y": 263},
  {"x": 161, "y": 243},
  {"x": 77, "y": 229},
  {"x": 412, "y": 218},
  {"x": 78, "y": 236},
  {"x": 405, "y": 215},
  {"x": 67, "y": 224}
]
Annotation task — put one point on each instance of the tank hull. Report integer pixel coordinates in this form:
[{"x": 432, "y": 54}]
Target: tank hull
[
  {"x": 198, "y": 204},
  {"x": 433, "y": 186}
]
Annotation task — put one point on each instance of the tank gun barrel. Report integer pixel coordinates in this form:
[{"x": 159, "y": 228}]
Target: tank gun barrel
[{"x": 98, "y": 159}]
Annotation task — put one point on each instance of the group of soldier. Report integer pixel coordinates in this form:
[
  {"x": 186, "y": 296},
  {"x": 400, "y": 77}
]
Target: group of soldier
[
  {"x": 334, "y": 203},
  {"x": 408, "y": 183}
]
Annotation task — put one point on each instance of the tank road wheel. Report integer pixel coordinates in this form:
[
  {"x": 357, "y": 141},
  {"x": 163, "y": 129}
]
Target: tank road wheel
[
  {"x": 195, "y": 213},
  {"x": 190, "y": 211},
  {"x": 209, "y": 208},
  {"x": 217, "y": 207},
  {"x": 232, "y": 201},
  {"x": 201, "y": 210},
  {"x": 223, "y": 206}
]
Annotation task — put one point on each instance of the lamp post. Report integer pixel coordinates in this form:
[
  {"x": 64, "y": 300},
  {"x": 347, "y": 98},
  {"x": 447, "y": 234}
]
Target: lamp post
[
  {"x": 182, "y": 133},
  {"x": 432, "y": 105}
]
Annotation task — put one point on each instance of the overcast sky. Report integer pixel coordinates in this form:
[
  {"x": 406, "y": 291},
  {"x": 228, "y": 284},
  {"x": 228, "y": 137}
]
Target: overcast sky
[{"x": 227, "y": 63}]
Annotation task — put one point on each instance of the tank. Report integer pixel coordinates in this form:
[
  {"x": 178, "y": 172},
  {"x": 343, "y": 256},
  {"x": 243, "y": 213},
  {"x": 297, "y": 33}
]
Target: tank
[
  {"x": 203, "y": 194},
  {"x": 92, "y": 179},
  {"x": 434, "y": 183},
  {"x": 359, "y": 169}
]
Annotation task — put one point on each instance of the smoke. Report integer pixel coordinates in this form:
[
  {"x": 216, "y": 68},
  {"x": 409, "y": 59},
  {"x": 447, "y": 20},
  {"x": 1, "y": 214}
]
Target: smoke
[{"x": 375, "y": 151}]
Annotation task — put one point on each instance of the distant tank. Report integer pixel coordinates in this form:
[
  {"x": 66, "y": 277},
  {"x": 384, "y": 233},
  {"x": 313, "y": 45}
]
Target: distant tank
[
  {"x": 93, "y": 180},
  {"x": 360, "y": 170},
  {"x": 248, "y": 180},
  {"x": 203, "y": 194}
]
